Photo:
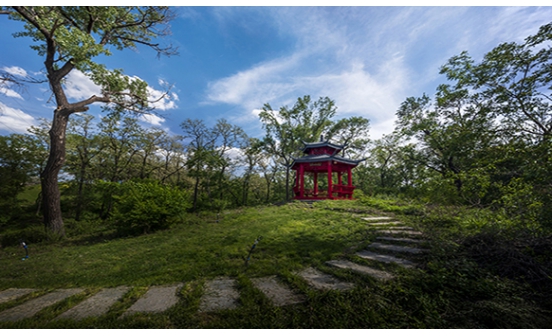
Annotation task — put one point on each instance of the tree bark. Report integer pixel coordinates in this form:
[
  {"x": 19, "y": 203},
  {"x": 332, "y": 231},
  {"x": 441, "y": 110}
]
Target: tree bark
[{"x": 53, "y": 220}]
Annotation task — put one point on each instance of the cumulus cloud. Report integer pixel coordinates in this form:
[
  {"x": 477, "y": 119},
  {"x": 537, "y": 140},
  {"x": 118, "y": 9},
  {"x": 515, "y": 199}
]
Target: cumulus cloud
[
  {"x": 79, "y": 86},
  {"x": 15, "y": 71},
  {"x": 14, "y": 120},
  {"x": 4, "y": 89},
  {"x": 160, "y": 100},
  {"x": 151, "y": 119}
]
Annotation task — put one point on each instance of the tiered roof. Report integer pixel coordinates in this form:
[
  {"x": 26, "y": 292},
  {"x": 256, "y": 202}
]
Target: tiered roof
[{"x": 323, "y": 151}]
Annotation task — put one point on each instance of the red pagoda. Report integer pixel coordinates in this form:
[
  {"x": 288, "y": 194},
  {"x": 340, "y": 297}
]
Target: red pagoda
[{"x": 321, "y": 158}]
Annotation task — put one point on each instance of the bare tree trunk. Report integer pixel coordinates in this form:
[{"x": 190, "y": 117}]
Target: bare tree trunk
[{"x": 53, "y": 220}]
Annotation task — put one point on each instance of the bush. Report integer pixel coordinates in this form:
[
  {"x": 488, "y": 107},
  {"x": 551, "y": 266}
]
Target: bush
[{"x": 142, "y": 207}]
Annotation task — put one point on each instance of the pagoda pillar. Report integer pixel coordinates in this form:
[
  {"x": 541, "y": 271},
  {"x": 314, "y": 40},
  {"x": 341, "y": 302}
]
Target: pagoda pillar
[
  {"x": 315, "y": 184},
  {"x": 349, "y": 179},
  {"x": 301, "y": 181},
  {"x": 330, "y": 196}
]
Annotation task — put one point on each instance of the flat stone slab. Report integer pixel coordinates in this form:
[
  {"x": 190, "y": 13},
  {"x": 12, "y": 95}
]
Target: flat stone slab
[
  {"x": 30, "y": 308},
  {"x": 279, "y": 294},
  {"x": 371, "y": 219},
  {"x": 396, "y": 248},
  {"x": 402, "y": 240},
  {"x": 156, "y": 300},
  {"x": 323, "y": 281},
  {"x": 14, "y": 293},
  {"x": 401, "y": 228},
  {"x": 96, "y": 305},
  {"x": 349, "y": 265},
  {"x": 400, "y": 232},
  {"x": 384, "y": 223},
  {"x": 385, "y": 258},
  {"x": 220, "y": 293}
]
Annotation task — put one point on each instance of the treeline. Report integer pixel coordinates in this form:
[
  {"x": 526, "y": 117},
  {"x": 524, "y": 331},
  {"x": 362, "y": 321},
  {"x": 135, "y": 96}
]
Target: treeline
[{"x": 110, "y": 159}]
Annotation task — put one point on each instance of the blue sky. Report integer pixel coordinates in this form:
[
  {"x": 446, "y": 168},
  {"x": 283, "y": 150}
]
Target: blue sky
[{"x": 233, "y": 60}]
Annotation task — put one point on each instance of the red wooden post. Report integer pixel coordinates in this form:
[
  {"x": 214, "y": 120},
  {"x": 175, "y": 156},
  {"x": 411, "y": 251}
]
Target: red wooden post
[
  {"x": 330, "y": 180},
  {"x": 302, "y": 182},
  {"x": 349, "y": 180},
  {"x": 315, "y": 183}
]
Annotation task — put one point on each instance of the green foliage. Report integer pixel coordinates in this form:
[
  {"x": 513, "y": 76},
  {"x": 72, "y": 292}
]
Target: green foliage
[{"x": 143, "y": 206}]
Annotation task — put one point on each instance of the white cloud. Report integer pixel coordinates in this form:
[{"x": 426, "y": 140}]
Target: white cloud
[
  {"x": 14, "y": 120},
  {"x": 15, "y": 71},
  {"x": 160, "y": 100},
  {"x": 79, "y": 86},
  {"x": 9, "y": 92},
  {"x": 151, "y": 119}
]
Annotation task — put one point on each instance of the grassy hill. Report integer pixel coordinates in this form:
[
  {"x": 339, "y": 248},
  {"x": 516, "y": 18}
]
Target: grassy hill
[{"x": 454, "y": 287}]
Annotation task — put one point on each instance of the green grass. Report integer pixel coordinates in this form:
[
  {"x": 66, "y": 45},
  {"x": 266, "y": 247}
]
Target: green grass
[{"x": 449, "y": 290}]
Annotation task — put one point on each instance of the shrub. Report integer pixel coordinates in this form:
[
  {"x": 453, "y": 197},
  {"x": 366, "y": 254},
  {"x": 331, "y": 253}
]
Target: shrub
[{"x": 148, "y": 206}]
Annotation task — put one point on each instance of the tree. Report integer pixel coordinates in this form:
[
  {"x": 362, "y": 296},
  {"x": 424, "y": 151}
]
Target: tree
[
  {"x": 20, "y": 161},
  {"x": 286, "y": 128},
  {"x": 351, "y": 132},
  {"x": 69, "y": 38}
]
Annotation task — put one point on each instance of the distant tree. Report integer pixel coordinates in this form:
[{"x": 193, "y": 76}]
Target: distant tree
[
  {"x": 351, "y": 132},
  {"x": 68, "y": 39}
]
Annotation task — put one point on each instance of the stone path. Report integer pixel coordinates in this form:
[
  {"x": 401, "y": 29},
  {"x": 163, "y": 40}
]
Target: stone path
[
  {"x": 385, "y": 258},
  {"x": 402, "y": 240},
  {"x": 400, "y": 232},
  {"x": 30, "y": 308},
  {"x": 279, "y": 294},
  {"x": 14, "y": 293},
  {"x": 373, "y": 219},
  {"x": 156, "y": 300},
  {"x": 349, "y": 265},
  {"x": 96, "y": 305},
  {"x": 221, "y": 293},
  {"x": 396, "y": 248},
  {"x": 323, "y": 281}
]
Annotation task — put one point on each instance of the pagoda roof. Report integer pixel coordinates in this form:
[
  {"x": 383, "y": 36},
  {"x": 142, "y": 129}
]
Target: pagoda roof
[
  {"x": 327, "y": 143},
  {"x": 325, "y": 158}
]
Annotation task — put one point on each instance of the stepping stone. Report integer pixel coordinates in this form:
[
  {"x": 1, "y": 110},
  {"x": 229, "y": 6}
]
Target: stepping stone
[
  {"x": 220, "y": 293},
  {"x": 401, "y": 228},
  {"x": 156, "y": 300},
  {"x": 403, "y": 232},
  {"x": 276, "y": 292},
  {"x": 346, "y": 264},
  {"x": 402, "y": 240},
  {"x": 323, "y": 281},
  {"x": 384, "y": 223},
  {"x": 396, "y": 248},
  {"x": 385, "y": 258},
  {"x": 14, "y": 293},
  {"x": 96, "y": 305},
  {"x": 30, "y": 308},
  {"x": 371, "y": 219}
]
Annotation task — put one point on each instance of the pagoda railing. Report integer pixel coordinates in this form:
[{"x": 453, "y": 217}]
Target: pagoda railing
[{"x": 342, "y": 191}]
